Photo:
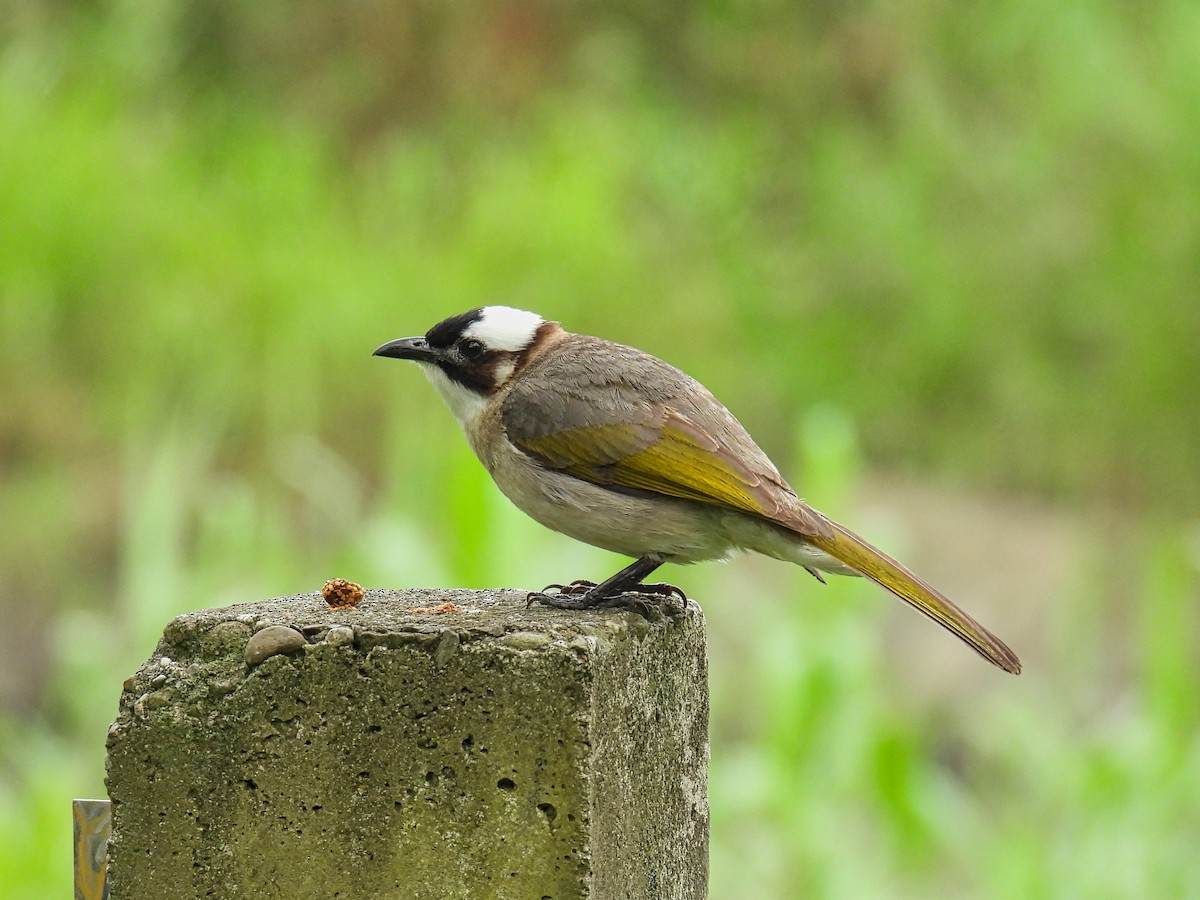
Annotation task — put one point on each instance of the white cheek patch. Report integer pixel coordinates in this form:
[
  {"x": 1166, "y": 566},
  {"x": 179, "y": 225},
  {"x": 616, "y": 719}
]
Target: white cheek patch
[
  {"x": 466, "y": 405},
  {"x": 505, "y": 328},
  {"x": 503, "y": 371}
]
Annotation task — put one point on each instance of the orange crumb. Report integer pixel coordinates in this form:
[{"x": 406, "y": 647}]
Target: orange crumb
[
  {"x": 444, "y": 608},
  {"x": 342, "y": 594}
]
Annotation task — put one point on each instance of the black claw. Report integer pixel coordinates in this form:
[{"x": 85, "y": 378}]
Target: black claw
[{"x": 662, "y": 589}]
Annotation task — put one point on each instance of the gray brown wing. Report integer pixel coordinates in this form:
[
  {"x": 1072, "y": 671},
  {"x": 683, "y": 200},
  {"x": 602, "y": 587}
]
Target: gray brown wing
[{"x": 623, "y": 419}]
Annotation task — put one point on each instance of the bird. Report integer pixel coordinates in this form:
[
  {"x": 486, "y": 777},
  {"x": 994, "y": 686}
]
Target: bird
[{"x": 614, "y": 447}]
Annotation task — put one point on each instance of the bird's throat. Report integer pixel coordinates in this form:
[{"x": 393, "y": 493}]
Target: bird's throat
[{"x": 466, "y": 405}]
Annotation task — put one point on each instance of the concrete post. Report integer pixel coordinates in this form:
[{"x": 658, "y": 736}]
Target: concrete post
[{"x": 409, "y": 749}]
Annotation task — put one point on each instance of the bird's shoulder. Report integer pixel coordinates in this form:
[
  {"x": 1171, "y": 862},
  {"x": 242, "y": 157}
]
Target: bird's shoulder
[{"x": 584, "y": 381}]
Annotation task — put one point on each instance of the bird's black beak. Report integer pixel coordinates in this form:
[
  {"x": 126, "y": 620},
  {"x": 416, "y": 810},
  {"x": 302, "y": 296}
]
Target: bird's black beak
[{"x": 414, "y": 348}]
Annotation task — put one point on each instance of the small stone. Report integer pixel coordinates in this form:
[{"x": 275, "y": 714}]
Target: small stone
[
  {"x": 340, "y": 636},
  {"x": 585, "y": 644},
  {"x": 525, "y": 640},
  {"x": 222, "y": 686},
  {"x": 446, "y": 647},
  {"x": 178, "y": 631},
  {"x": 158, "y": 680},
  {"x": 151, "y": 701},
  {"x": 271, "y": 641}
]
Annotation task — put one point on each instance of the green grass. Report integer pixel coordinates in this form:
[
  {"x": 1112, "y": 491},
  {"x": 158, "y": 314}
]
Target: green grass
[{"x": 959, "y": 242}]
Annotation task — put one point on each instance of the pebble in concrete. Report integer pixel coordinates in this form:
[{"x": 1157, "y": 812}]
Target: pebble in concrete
[{"x": 271, "y": 641}]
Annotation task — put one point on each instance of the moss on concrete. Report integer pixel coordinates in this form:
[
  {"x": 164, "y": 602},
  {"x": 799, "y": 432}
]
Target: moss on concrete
[{"x": 487, "y": 752}]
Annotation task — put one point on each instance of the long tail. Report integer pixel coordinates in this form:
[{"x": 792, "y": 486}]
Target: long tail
[{"x": 849, "y": 548}]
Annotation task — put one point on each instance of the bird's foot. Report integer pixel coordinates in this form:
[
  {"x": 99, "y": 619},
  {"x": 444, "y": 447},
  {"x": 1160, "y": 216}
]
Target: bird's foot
[
  {"x": 577, "y": 598},
  {"x": 578, "y": 594},
  {"x": 583, "y": 595}
]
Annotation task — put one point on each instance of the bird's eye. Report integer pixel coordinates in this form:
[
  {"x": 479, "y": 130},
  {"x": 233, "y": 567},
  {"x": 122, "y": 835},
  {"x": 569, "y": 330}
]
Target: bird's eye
[{"x": 471, "y": 348}]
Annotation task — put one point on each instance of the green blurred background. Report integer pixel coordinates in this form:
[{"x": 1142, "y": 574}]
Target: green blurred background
[{"x": 942, "y": 259}]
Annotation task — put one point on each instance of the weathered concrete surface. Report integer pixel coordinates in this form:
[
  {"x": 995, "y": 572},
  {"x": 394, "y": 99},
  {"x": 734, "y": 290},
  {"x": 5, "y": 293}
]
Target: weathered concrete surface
[{"x": 489, "y": 752}]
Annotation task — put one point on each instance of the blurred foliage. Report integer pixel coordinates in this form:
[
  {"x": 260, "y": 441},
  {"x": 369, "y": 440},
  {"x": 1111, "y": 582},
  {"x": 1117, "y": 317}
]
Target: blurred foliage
[{"x": 972, "y": 230}]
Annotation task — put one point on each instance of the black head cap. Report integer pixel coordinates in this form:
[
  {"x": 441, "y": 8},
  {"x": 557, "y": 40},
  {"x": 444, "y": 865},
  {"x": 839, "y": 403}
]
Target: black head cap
[{"x": 446, "y": 332}]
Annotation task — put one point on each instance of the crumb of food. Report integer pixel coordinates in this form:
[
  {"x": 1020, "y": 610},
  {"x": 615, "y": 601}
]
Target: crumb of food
[
  {"x": 342, "y": 594},
  {"x": 444, "y": 608}
]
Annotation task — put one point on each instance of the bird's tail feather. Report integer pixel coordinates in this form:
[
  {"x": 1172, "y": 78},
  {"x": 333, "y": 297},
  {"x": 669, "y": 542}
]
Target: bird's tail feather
[{"x": 848, "y": 548}]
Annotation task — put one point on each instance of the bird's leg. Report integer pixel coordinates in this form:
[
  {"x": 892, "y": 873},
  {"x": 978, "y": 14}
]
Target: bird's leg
[{"x": 611, "y": 592}]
